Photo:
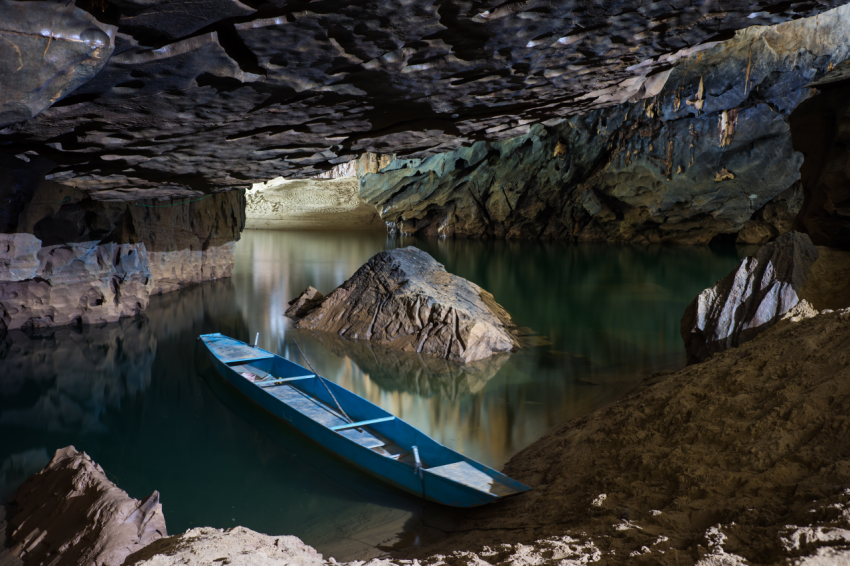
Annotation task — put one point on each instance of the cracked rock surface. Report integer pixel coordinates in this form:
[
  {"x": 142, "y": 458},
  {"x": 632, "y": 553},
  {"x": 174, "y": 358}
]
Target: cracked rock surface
[
  {"x": 404, "y": 299},
  {"x": 712, "y": 154},
  {"x": 70, "y": 513},
  {"x": 749, "y": 300},
  {"x": 180, "y": 97}
]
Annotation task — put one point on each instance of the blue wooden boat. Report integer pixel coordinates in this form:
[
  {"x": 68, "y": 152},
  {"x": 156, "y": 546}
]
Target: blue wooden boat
[{"x": 355, "y": 429}]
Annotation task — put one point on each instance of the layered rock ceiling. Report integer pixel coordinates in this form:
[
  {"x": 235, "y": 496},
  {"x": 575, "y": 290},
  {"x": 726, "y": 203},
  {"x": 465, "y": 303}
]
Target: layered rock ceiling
[{"x": 134, "y": 99}]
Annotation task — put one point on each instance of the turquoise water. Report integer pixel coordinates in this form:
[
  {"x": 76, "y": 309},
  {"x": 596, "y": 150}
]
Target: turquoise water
[{"x": 141, "y": 399}]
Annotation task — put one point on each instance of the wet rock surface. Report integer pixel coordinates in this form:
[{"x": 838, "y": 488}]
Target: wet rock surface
[
  {"x": 746, "y": 302},
  {"x": 736, "y": 459},
  {"x": 404, "y": 299},
  {"x": 77, "y": 283},
  {"x": 710, "y": 155},
  {"x": 70, "y": 514},
  {"x": 40, "y": 68},
  {"x": 201, "y": 96}
]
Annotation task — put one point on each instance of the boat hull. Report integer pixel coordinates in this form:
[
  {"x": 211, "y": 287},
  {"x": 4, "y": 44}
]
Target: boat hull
[{"x": 426, "y": 485}]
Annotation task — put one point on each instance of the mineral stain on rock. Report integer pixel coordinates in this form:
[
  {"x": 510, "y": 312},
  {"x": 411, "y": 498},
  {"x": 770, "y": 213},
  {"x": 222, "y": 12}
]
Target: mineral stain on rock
[{"x": 404, "y": 299}]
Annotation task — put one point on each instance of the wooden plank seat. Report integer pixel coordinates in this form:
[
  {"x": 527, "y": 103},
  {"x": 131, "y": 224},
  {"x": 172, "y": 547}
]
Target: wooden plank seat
[
  {"x": 361, "y": 423},
  {"x": 250, "y": 369},
  {"x": 229, "y": 350},
  {"x": 323, "y": 414},
  {"x": 469, "y": 475}
]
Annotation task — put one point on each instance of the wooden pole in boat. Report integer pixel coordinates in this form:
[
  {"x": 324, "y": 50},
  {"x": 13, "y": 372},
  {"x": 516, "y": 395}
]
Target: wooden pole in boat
[{"x": 322, "y": 379}]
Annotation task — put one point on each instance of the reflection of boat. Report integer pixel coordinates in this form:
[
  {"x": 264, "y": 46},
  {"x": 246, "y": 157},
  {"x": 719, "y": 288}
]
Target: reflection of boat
[{"x": 355, "y": 429}]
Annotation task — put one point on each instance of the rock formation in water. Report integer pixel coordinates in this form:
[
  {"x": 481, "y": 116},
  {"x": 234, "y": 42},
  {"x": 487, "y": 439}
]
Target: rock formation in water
[
  {"x": 70, "y": 514},
  {"x": 404, "y": 299},
  {"x": 709, "y": 154},
  {"x": 749, "y": 300},
  {"x": 762, "y": 456},
  {"x": 74, "y": 260}
]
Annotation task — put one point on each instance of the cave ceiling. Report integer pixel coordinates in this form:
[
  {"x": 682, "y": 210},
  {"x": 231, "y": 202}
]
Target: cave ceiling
[{"x": 130, "y": 99}]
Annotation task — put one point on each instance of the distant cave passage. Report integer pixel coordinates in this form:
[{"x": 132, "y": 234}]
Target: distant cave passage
[{"x": 820, "y": 130}]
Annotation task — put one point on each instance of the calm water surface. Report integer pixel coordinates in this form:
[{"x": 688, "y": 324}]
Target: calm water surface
[{"x": 142, "y": 400}]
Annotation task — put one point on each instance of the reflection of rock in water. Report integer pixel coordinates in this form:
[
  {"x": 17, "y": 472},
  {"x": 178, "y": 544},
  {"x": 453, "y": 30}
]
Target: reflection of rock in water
[
  {"x": 172, "y": 314},
  {"x": 74, "y": 374},
  {"x": 402, "y": 371},
  {"x": 18, "y": 467}
]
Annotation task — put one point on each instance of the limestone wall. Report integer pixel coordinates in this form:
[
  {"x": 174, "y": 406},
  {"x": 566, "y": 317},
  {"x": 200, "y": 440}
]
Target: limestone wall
[
  {"x": 329, "y": 203},
  {"x": 711, "y": 154},
  {"x": 75, "y": 260}
]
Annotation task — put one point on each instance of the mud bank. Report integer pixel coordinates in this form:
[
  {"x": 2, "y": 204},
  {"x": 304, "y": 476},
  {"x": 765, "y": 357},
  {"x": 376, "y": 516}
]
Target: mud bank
[{"x": 741, "y": 458}]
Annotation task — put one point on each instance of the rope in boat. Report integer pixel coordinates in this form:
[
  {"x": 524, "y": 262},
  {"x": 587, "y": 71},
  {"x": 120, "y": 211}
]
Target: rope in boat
[{"x": 322, "y": 379}]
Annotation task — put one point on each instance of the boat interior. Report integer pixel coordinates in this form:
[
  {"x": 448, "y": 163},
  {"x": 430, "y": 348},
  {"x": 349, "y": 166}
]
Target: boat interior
[{"x": 356, "y": 419}]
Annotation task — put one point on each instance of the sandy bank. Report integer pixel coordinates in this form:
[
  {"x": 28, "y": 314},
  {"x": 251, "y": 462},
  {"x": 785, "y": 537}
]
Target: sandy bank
[
  {"x": 310, "y": 204},
  {"x": 746, "y": 454}
]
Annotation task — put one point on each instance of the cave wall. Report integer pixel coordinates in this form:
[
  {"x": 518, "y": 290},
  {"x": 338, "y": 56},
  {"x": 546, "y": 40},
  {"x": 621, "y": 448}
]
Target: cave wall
[
  {"x": 711, "y": 155},
  {"x": 66, "y": 258},
  {"x": 821, "y": 131}
]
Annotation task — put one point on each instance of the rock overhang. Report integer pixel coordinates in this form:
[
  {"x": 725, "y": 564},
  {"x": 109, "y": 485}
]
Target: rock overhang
[{"x": 198, "y": 98}]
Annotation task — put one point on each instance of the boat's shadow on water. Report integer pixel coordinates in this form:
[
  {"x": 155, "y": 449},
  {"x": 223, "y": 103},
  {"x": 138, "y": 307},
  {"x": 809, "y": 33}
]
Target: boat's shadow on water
[{"x": 368, "y": 509}]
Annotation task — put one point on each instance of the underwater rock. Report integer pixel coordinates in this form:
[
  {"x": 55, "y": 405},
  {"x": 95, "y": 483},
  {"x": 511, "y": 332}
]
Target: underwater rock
[
  {"x": 749, "y": 300},
  {"x": 404, "y": 299},
  {"x": 70, "y": 513}
]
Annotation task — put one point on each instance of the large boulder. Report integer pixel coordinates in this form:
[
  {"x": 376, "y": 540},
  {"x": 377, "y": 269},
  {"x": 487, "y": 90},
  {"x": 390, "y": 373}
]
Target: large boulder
[
  {"x": 404, "y": 299},
  {"x": 763, "y": 287},
  {"x": 70, "y": 513}
]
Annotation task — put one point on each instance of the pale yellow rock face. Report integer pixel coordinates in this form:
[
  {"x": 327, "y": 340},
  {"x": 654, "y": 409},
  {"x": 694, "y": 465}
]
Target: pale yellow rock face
[
  {"x": 173, "y": 270},
  {"x": 310, "y": 204}
]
